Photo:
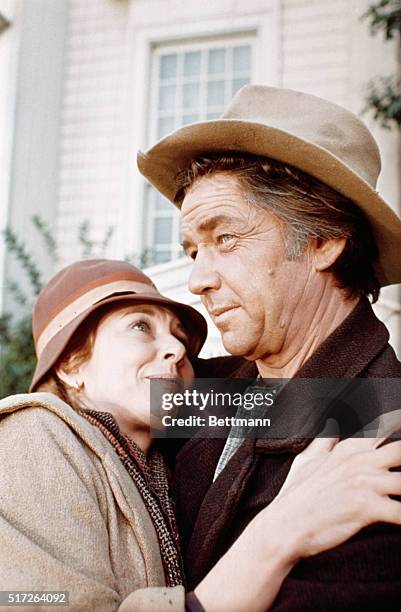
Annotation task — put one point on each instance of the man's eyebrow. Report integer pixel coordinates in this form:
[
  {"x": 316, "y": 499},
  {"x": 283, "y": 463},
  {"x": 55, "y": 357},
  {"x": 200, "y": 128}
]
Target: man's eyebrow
[
  {"x": 186, "y": 244},
  {"x": 211, "y": 223},
  {"x": 208, "y": 225}
]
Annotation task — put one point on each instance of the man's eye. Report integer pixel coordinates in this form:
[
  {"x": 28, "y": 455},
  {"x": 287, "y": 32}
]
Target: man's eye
[{"x": 225, "y": 238}]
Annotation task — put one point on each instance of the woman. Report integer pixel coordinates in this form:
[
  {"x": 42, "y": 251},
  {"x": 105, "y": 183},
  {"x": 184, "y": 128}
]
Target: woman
[{"x": 84, "y": 501}]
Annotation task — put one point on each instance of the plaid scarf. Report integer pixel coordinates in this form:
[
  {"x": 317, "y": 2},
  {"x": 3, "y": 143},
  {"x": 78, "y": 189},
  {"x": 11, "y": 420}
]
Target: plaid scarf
[{"x": 150, "y": 477}]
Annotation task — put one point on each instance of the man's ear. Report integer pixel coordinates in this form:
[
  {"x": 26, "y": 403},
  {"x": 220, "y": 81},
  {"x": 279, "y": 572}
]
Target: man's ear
[{"x": 326, "y": 252}]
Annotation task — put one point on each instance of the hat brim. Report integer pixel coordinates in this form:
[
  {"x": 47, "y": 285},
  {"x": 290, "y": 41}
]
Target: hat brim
[
  {"x": 192, "y": 320},
  {"x": 161, "y": 164}
]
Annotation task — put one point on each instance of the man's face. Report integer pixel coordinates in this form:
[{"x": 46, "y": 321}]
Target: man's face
[{"x": 251, "y": 290}]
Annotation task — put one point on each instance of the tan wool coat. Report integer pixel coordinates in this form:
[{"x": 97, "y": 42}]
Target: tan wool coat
[{"x": 71, "y": 518}]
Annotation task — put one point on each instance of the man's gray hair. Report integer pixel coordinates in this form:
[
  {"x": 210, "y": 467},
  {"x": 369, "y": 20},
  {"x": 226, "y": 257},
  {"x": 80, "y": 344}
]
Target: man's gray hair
[{"x": 307, "y": 208}]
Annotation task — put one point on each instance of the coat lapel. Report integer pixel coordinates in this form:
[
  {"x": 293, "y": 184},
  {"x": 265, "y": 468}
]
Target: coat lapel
[{"x": 217, "y": 510}]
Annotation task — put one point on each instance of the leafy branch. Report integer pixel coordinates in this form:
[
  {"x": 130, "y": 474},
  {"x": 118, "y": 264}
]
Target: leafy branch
[
  {"x": 90, "y": 247},
  {"x": 45, "y": 232},
  {"x": 383, "y": 95},
  {"x": 384, "y": 98},
  {"x": 384, "y": 15},
  {"x": 16, "y": 246}
]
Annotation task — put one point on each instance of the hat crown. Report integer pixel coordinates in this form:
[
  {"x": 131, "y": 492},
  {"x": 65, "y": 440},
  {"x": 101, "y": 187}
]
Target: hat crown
[
  {"x": 77, "y": 279},
  {"x": 311, "y": 119}
]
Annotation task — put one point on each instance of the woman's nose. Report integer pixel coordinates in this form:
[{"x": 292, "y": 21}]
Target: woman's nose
[{"x": 173, "y": 349}]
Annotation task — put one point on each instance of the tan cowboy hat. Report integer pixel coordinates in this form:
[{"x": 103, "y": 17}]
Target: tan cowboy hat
[
  {"x": 81, "y": 288},
  {"x": 312, "y": 134}
]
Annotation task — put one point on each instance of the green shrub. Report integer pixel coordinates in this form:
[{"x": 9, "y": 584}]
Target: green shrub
[{"x": 383, "y": 95}]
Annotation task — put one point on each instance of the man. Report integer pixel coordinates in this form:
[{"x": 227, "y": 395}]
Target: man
[{"x": 289, "y": 238}]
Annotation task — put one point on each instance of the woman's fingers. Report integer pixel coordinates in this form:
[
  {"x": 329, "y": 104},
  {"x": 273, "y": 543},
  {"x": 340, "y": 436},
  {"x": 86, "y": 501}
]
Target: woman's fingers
[
  {"x": 389, "y": 512},
  {"x": 358, "y": 445},
  {"x": 319, "y": 446},
  {"x": 389, "y": 456},
  {"x": 389, "y": 483}
]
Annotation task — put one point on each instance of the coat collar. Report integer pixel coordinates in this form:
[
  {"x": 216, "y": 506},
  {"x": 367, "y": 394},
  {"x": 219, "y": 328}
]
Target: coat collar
[
  {"x": 350, "y": 348},
  {"x": 345, "y": 355}
]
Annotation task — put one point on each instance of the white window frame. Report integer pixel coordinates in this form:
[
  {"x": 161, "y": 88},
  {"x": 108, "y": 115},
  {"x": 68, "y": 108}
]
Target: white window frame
[
  {"x": 263, "y": 27},
  {"x": 227, "y": 42}
]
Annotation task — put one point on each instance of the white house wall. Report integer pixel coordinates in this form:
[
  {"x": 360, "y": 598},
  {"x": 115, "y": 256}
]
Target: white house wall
[
  {"x": 94, "y": 123},
  {"x": 314, "y": 45}
]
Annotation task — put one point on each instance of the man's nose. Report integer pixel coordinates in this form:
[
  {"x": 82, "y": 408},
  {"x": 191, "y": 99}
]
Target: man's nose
[{"x": 204, "y": 277}]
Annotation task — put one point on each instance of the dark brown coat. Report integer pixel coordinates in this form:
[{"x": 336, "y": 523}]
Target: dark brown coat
[{"x": 364, "y": 572}]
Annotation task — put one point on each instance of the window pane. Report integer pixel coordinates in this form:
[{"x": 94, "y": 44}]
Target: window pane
[
  {"x": 194, "y": 83},
  {"x": 161, "y": 256},
  {"x": 242, "y": 59},
  {"x": 238, "y": 83},
  {"x": 192, "y": 63},
  {"x": 189, "y": 119},
  {"x": 215, "y": 93},
  {"x": 161, "y": 202},
  {"x": 162, "y": 230},
  {"x": 217, "y": 61},
  {"x": 191, "y": 95},
  {"x": 168, "y": 66},
  {"x": 167, "y": 97},
  {"x": 165, "y": 126}
]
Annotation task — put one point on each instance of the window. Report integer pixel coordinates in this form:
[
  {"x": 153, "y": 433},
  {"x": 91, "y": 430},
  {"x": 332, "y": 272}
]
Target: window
[{"x": 190, "y": 83}]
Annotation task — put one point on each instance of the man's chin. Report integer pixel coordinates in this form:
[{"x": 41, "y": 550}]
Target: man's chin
[{"x": 237, "y": 348}]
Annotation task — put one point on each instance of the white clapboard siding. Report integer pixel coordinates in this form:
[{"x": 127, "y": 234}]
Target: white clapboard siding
[
  {"x": 94, "y": 123},
  {"x": 315, "y": 38}
]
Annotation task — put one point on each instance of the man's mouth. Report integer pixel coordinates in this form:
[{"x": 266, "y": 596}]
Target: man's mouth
[{"x": 218, "y": 312}]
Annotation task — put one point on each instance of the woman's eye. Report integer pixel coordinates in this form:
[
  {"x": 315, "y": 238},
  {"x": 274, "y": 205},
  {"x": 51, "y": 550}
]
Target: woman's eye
[{"x": 141, "y": 326}]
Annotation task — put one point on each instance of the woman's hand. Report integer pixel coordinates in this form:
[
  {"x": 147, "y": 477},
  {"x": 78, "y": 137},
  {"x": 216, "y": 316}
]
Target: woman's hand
[{"x": 332, "y": 491}]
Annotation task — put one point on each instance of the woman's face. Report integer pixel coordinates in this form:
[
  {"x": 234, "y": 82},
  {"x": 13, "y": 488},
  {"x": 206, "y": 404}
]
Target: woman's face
[{"x": 133, "y": 344}]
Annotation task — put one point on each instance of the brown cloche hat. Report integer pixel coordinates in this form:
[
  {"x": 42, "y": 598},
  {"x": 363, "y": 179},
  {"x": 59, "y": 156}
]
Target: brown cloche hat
[
  {"x": 321, "y": 138},
  {"x": 79, "y": 289}
]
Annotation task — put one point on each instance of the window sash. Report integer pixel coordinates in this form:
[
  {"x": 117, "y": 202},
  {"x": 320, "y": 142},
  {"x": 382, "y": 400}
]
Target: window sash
[{"x": 176, "y": 114}]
